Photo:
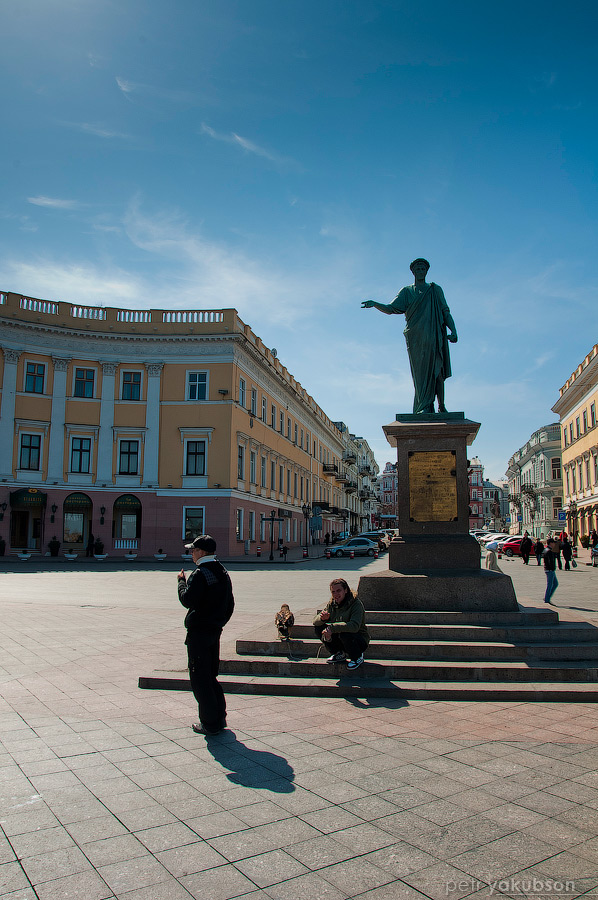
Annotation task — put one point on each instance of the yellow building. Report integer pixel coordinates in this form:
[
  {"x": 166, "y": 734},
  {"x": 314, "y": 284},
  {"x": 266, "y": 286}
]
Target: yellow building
[
  {"x": 146, "y": 427},
  {"x": 576, "y": 407}
]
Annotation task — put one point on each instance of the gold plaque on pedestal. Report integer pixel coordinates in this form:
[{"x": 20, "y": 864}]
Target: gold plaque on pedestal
[{"x": 432, "y": 486}]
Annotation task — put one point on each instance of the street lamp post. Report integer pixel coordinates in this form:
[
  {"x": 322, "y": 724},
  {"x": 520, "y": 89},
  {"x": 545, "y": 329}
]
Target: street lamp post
[
  {"x": 272, "y": 518},
  {"x": 306, "y": 509}
]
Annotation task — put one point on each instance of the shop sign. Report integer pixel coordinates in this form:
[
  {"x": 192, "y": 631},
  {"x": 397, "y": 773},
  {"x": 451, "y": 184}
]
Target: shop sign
[{"x": 28, "y": 497}]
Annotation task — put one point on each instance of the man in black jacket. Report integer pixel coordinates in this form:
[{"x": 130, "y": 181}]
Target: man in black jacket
[{"x": 208, "y": 595}]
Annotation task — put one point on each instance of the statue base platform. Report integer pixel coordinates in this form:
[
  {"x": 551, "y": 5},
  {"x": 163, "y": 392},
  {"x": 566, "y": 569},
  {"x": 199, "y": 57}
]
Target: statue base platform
[{"x": 450, "y": 590}]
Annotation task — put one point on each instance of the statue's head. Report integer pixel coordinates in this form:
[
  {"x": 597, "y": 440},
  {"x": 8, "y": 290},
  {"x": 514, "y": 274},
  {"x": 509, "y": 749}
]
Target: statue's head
[{"x": 419, "y": 263}]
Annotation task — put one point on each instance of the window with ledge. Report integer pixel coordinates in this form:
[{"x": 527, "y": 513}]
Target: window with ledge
[
  {"x": 282, "y": 423},
  {"x": 593, "y": 415},
  {"x": 197, "y": 386},
  {"x": 242, "y": 392},
  {"x": 131, "y": 386},
  {"x": 570, "y": 432},
  {"x": 193, "y": 522},
  {"x": 252, "y": 469},
  {"x": 264, "y": 409},
  {"x": 251, "y": 525},
  {"x": 556, "y": 469},
  {"x": 557, "y": 503},
  {"x": 273, "y": 416},
  {"x": 128, "y": 458},
  {"x": 80, "y": 455},
  {"x": 195, "y": 458},
  {"x": 241, "y": 463},
  {"x": 34, "y": 377},
  {"x": 84, "y": 383},
  {"x": 30, "y": 453},
  {"x": 577, "y": 427},
  {"x": 253, "y": 402},
  {"x": 239, "y": 525},
  {"x": 263, "y": 472}
]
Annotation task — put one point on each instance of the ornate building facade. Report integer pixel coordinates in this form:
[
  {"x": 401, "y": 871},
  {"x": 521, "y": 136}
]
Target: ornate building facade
[
  {"x": 535, "y": 484},
  {"x": 576, "y": 408},
  {"x": 146, "y": 427}
]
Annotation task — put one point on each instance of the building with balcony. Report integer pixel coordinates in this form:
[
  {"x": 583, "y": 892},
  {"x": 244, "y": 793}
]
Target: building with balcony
[
  {"x": 147, "y": 427},
  {"x": 388, "y": 493},
  {"x": 576, "y": 408},
  {"x": 475, "y": 473},
  {"x": 496, "y": 504},
  {"x": 535, "y": 484}
]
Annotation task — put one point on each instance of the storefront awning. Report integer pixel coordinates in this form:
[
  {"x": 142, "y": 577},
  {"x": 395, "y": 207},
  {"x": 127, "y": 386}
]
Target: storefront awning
[{"x": 77, "y": 502}]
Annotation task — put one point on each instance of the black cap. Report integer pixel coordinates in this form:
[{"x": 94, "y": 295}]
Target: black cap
[{"x": 202, "y": 542}]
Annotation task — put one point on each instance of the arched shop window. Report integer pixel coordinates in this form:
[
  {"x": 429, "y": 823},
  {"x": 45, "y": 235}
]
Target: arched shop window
[
  {"x": 126, "y": 519},
  {"x": 77, "y": 513}
]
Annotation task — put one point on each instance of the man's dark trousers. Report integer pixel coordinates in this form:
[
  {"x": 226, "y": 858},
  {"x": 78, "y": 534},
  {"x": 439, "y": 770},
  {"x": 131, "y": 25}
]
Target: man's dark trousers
[{"x": 203, "y": 651}]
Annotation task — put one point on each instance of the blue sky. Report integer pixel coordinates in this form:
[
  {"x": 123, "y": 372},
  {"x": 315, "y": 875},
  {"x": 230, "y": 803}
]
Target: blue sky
[{"x": 290, "y": 158}]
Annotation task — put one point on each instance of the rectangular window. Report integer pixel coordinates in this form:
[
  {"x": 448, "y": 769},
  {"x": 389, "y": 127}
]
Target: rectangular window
[
  {"x": 193, "y": 522},
  {"x": 273, "y": 416},
  {"x": 296, "y": 433},
  {"x": 252, "y": 469},
  {"x": 195, "y": 463},
  {"x": 570, "y": 432},
  {"x": 301, "y": 441},
  {"x": 84, "y": 380},
  {"x": 556, "y": 468},
  {"x": 251, "y": 525},
  {"x": 289, "y": 429},
  {"x": 577, "y": 427},
  {"x": 241, "y": 463},
  {"x": 34, "y": 378},
  {"x": 565, "y": 441},
  {"x": 273, "y": 476},
  {"x": 131, "y": 386},
  {"x": 281, "y": 479},
  {"x": 197, "y": 385},
  {"x": 593, "y": 415},
  {"x": 80, "y": 455},
  {"x": 580, "y": 469},
  {"x": 242, "y": 392},
  {"x": 128, "y": 526},
  {"x": 585, "y": 420},
  {"x": 288, "y": 482},
  {"x": 263, "y": 472},
  {"x": 264, "y": 409},
  {"x": 254, "y": 401},
  {"x": 128, "y": 458},
  {"x": 295, "y": 485},
  {"x": 588, "y": 479},
  {"x": 557, "y": 503},
  {"x": 239, "y": 525},
  {"x": 281, "y": 422},
  {"x": 73, "y": 528},
  {"x": 29, "y": 457}
]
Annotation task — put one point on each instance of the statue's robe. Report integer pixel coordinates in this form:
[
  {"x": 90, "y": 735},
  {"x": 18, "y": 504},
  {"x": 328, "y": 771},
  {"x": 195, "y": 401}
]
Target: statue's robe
[{"x": 427, "y": 343}]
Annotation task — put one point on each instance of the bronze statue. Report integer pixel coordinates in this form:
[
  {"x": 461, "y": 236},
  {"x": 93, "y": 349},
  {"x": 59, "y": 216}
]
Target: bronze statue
[{"x": 427, "y": 317}]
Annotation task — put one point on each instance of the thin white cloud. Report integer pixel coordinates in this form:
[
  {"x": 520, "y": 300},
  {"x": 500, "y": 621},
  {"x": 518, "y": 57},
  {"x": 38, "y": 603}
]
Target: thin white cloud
[
  {"x": 53, "y": 202},
  {"x": 127, "y": 87},
  {"x": 245, "y": 144},
  {"x": 132, "y": 88},
  {"x": 101, "y": 131},
  {"x": 74, "y": 282}
]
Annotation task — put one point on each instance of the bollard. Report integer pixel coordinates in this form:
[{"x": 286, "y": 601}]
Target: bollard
[
  {"x": 258, "y": 552},
  {"x": 352, "y": 554},
  {"x": 574, "y": 551},
  {"x": 328, "y": 554},
  {"x": 305, "y": 553},
  {"x": 376, "y": 554}
]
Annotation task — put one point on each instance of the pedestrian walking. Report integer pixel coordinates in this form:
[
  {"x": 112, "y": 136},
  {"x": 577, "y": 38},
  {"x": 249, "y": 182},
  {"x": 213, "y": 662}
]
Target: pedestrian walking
[
  {"x": 526, "y": 548},
  {"x": 208, "y": 595},
  {"x": 549, "y": 560},
  {"x": 567, "y": 551},
  {"x": 538, "y": 550}
]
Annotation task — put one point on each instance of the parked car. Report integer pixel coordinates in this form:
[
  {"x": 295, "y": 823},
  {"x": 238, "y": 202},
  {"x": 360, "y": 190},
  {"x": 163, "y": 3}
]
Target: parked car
[
  {"x": 512, "y": 546},
  {"x": 382, "y": 537},
  {"x": 359, "y": 545}
]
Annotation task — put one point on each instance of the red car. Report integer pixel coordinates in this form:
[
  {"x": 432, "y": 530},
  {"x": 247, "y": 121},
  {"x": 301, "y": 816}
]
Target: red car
[{"x": 512, "y": 547}]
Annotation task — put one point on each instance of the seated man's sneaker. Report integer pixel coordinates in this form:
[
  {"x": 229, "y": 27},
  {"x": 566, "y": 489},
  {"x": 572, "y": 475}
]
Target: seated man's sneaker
[
  {"x": 339, "y": 656},
  {"x": 355, "y": 663}
]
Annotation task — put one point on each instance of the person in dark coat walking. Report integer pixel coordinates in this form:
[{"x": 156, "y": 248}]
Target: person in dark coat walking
[
  {"x": 538, "y": 550},
  {"x": 208, "y": 595},
  {"x": 526, "y": 548},
  {"x": 567, "y": 551}
]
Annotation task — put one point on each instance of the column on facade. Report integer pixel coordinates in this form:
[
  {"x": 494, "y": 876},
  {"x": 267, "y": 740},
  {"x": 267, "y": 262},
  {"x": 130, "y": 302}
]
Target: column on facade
[
  {"x": 57, "y": 420},
  {"x": 7, "y": 410},
  {"x": 152, "y": 424},
  {"x": 106, "y": 436}
]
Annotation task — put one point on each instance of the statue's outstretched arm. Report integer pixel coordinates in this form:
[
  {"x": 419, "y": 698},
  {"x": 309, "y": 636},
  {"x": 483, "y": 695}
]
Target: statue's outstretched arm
[{"x": 383, "y": 307}]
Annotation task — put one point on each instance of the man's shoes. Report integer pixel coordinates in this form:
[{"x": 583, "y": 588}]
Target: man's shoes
[
  {"x": 198, "y": 728},
  {"x": 355, "y": 663},
  {"x": 339, "y": 656}
]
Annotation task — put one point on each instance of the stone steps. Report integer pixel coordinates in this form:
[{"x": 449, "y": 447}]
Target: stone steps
[{"x": 516, "y": 634}]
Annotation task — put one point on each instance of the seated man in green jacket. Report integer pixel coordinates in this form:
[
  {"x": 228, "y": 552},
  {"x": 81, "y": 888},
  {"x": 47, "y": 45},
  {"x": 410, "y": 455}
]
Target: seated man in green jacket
[{"x": 341, "y": 626}]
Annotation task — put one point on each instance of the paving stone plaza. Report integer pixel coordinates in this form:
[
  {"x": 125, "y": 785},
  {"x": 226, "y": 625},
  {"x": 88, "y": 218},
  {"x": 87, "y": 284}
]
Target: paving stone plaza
[{"x": 105, "y": 792}]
